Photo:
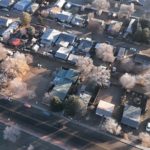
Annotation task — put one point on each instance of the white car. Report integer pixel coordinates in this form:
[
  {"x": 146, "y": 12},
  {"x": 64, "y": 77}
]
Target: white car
[{"x": 148, "y": 127}]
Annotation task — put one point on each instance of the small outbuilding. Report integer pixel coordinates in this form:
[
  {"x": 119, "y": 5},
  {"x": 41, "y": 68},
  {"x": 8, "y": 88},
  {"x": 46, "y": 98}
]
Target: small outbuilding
[
  {"x": 105, "y": 109},
  {"x": 131, "y": 116},
  {"x": 63, "y": 52}
]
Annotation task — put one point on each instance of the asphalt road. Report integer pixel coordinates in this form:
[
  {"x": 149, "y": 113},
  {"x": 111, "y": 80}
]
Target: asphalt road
[{"x": 68, "y": 135}]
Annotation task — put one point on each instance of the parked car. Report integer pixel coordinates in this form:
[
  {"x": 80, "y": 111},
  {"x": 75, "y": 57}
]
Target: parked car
[
  {"x": 148, "y": 127},
  {"x": 133, "y": 49}
]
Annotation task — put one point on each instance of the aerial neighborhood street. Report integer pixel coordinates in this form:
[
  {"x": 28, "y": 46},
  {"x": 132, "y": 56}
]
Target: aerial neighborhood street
[{"x": 74, "y": 75}]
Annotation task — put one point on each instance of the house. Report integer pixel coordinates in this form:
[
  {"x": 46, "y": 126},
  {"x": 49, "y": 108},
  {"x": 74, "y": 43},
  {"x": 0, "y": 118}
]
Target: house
[
  {"x": 4, "y": 22},
  {"x": 63, "y": 82},
  {"x": 50, "y": 36},
  {"x": 61, "y": 90},
  {"x": 70, "y": 5},
  {"x": 131, "y": 116},
  {"x": 32, "y": 8},
  {"x": 11, "y": 29},
  {"x": 22, "y": 5},
  {"x": 6, "y": 3},
  {"x": 63, "y": 52},
  {"x": 142, "y": 59},
  {"x": 85, "y": 45},
  {"x": 114, "y": 27},
  {"x": 64, "y": 17},
  {"x": 65, "y": 39},
  {"x": 78, "y": 21},
  {"x": 72, "y": 59},
  {"x": 105, "y": 109}
]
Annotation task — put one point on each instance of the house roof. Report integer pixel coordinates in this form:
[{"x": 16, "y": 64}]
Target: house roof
[
  {"x": 61, "y": 90},
  {"x": 77, "y": 20},
  {"x": 22, "y": 4},
  {"x": 65, "y": 39},
  {"x": 63, "y": 82},
  {"x": 69, "y": 74},
  {"x": 85, "y": 45},
  {"x": 131, "y": 116},
  {"x": 6, "y": 3},
  {"x": 142, "y": 59},
  {"x": 63, "y": 53},
  {"x": 105, "y": 109},
  {"x": 49, "y": 36},
  {"x": 64, "y": 16},
  {"x": 72, "y": 58},
  {"x": 5, "y": 22},
  {"x": 33, "y": 7},
  {"x": 11, "y": 29}
]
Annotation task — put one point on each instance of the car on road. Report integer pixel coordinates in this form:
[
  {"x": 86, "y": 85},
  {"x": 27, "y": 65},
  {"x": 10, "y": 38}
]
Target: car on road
[
  {"x": 148, "y": 127},
  {"x": 27, "y": 105}
]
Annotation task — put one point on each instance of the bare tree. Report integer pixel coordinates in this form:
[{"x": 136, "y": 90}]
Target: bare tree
[
  {"x": 112, "y": 126},
  {"x": 13, "y": 70},
  {"x": 127, "y": 64},
  {"x": 29, "y": 59},
  {"x": 11, "y": 133},
  {"x": 145, "y": 139},
  {"x": 100, "y": 75},
  {"x": 45, "y": 13},
  {"x": 105, "y": 52},
  {"x": 17, "y": 87},
  {"x": 15, "y": 66},
  {"x": 126, "y": 10},
  {"x": 101, "y": 4},
  {"x": 3, "y": 80},
  {"x": 3, "y": 52},
  {"x": 128, "y": 81},
  {"x": 84, "y": 65},
  {"x": 144, "y": 80},
  {"x": 95, "y": 26}
]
